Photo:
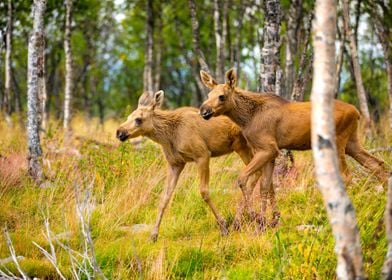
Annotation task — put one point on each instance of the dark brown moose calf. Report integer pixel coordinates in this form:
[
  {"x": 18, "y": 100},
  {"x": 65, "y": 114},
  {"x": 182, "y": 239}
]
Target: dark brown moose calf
[
  {"x": 270, "y": 123},
  {"x": 185, "y": 137}
]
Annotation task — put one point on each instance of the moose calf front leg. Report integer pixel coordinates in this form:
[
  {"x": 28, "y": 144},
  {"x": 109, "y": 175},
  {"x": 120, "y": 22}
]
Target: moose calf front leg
[
  {"x": 172, "y": 178},
  {"x": 245, "y": 206},
  {"x": 203, "y": 166},
  {"x": 260, "y": 158}
]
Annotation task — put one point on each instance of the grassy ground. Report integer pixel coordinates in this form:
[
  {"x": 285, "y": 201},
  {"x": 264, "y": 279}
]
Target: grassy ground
[{"x": 126, "y": 185}]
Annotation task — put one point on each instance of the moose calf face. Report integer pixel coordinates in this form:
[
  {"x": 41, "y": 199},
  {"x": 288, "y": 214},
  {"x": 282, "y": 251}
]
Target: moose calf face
[
  {"x": 140, "y": 121},
  {"x": 219, "y": 99}
]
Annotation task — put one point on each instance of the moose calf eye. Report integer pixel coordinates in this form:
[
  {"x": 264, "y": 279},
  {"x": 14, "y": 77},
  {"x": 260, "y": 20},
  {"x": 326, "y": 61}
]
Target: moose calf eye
[
  {"x": 221, "y": 98},
  {"x": 138, "y": 121}
]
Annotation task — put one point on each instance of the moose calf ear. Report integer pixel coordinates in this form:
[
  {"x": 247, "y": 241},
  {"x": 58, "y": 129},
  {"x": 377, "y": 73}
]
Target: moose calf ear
[
  {"x": 231, "y": 78},
  {"x": 145, "y": 99},
  {"x": 158, "y": 98},
  {"x": 207, "y": 80}
]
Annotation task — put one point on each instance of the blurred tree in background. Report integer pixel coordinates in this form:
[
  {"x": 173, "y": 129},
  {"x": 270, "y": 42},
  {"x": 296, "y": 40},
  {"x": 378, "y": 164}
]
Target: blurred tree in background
[{"x": 109, "y": 43}]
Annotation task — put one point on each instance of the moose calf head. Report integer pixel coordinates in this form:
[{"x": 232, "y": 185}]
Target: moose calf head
[
  {"x": 140, "y": 121},
  {"x": 220, "y": 97}
]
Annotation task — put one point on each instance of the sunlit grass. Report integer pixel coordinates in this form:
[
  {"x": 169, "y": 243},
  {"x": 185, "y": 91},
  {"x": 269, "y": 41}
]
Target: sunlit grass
[{"x": 127, "y": 183}]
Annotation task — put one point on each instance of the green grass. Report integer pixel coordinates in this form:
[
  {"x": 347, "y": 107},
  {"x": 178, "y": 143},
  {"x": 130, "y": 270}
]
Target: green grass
[{"x": 127, "y": 184}]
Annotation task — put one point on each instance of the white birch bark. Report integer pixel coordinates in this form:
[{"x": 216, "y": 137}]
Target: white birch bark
[
  {"x": 35, "y": 73},
  {"x": 340, "y": 210},
  {"x": 68, "y": 65},
  {"x": 355, "y": 60},
  {"x": 293, "y": 21},
  {"x": 148, "y": 51},
  {"x": 8, "y": 53},
  {"x": 158, "y": 52},
  {"x": 270, "y": 51},
  {"x": 220, "y": 44}
]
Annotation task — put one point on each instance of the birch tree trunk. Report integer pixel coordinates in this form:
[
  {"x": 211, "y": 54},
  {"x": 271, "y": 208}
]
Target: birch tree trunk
[
  {"x": 196, "y": 44},
  {"x": 305, "y": 65},
  {"x": 386, "y": 271},
  {"x": 339, "y": 60},
  {"x": 69, "y": 82},
  {"x": 8, "y": 53},
  {"x": 294, "y": 19},
  {"x": 148, "y": 50},
  {"x": 270, "y": 52},
  {"x": 35, "y": 74},
  {"x": 357, "y": 68},
  {"x": 196, "y": 37},
  {"x": 220, "y": 44},
  {"x": 158, "y": 51},
  {"x": 340, "y": 210},
  {"x": 384, "y": 37},
  {"x": 237, "y": 47}
]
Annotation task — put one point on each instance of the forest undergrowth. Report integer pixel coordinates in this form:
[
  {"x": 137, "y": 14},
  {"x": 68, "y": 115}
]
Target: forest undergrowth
[{"x": 94, "y": 213}]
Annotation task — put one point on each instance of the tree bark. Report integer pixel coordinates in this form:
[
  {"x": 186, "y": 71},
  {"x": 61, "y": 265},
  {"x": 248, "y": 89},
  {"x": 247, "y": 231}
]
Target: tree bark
[
  {"x": 69, "y": 82},
  {"x": 340, "y": 210},
  {"x": 293, "y": 21},
  {"x": 196, "y": 38},
  {"x": 35, "y": 74},
  {"x": 148, "y": 51},
  {"x": 270, "y": 52},
  {"x": 357, "y": 68},
  {"x": 339, "y": 60},
  {"x": 8, "y": 54},
  {"x": 237, "y": 47},
  {"x": 158, "y": 51},
  {"x": 387, "y": 267},
  {"x": 220, "y": 43},
  {"x": 305, "y": 66},
  {"x": 384, "y": 37}
]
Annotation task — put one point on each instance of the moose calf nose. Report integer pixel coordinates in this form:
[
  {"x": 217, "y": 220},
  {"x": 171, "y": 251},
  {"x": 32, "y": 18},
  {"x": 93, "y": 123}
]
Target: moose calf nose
[
  {"x": 205, "y": 112},
  {"x": 119, "y": 134}
]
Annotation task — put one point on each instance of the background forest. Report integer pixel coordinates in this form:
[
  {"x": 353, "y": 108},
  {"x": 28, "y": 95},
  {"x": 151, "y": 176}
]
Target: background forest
[
  {"x": 109, "y": 46},
  {"x": 97, "y": 199}
]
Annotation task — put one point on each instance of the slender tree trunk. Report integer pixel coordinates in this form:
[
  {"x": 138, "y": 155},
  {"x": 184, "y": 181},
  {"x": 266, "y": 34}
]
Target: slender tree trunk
[
  {"x": 340, "y": 210},
  {"x": 220, "y": 44},
  {"x": 196, "y": 46},
  {"x": 387, "y": 267},
  {"x": 158, "y": 51},
  {"x": 148, "y": 58},
  {"x": 35, "y": 74},
  {"x": 294, "y": 19},
  {"x": 270, "y": 52},
  {"x": 384, "y": 37},
  {"x": 69, "y": 82},
  {"x": 196, "y": 38},
  {"x": 305, "y": 66},
  {"x": 339, "y": 60},
  {"x": 8, "y": 54},
  {"x": 355, "y": 60},
  {"x": 237, "y": 47}
]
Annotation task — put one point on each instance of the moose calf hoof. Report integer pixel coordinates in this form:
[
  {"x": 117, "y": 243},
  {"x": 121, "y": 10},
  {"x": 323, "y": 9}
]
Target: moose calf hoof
[
  {"x": 261, "y": 224},
  {"x": 252, "y": 215},
  {"x": 275, "y": 220},
  {"x": 154, "y": 237},
  {"x": 237, "y": 225},
  {"x": 223, "y": 229}
]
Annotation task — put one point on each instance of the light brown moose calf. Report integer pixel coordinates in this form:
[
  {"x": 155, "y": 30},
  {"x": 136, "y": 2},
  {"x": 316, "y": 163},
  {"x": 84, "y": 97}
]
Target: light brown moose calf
[
  {"x": 185, "y": 137},
  {"x": 270, "y": 123}
]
